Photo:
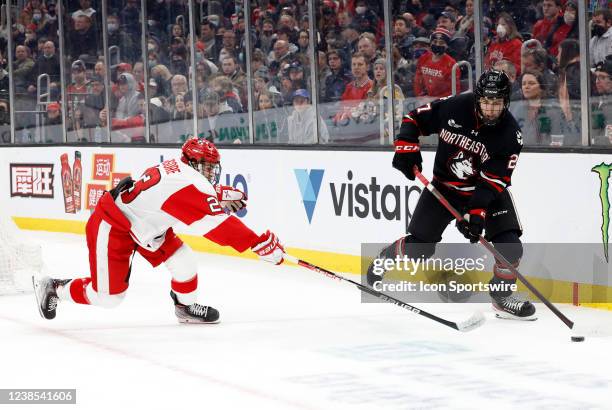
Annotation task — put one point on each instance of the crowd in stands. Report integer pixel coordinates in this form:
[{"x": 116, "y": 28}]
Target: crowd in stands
[{"x": 534, "y": 41}]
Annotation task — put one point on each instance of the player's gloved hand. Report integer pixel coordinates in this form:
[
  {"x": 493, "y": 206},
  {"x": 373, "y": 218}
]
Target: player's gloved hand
[
  {"x": 231, "y": 198},
  {"x": 407, "y": 155},
  {"x": 472, "y": 224},
  {"x": 269, "y": 248}
]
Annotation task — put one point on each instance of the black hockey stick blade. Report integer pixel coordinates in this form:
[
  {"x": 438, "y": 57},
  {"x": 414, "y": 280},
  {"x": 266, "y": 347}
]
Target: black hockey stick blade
[{"x": 476, "y": 320}]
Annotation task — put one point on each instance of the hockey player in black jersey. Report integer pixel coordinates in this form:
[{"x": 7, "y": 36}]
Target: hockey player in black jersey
[{"x": 478, "y": 149}]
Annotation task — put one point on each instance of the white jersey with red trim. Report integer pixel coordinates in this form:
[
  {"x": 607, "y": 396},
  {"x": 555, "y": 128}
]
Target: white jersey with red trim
[{"x": 174, "y": 192}]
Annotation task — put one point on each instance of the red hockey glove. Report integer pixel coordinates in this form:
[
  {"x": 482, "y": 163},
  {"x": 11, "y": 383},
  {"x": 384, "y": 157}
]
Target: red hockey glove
[
  {"x": 472, "y": 225},
  {"x": 231, "y": 198},
  {"x": 269, "y": 248},
  {"x": 407, "y": 155}
]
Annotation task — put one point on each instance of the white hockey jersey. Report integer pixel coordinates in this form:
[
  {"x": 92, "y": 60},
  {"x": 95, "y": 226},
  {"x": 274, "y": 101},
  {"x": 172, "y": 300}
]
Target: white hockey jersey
[{"x": 173, "y": 192}]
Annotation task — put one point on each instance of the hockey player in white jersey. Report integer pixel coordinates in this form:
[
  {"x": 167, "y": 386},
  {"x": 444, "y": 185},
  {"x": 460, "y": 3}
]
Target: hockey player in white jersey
[{"x": 138, "y": 216}]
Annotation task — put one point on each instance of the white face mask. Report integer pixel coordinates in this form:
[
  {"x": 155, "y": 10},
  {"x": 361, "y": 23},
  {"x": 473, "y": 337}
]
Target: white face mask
[
  {"x": 569, "y": 18},
  {"x": 501, "y": 30},
  {"x": 360, "y": 9}
]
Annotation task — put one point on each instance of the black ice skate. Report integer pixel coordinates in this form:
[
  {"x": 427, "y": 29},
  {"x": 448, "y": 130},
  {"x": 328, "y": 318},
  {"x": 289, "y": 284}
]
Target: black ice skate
[
  {"x": 512, "y": 307},
  {"x": 45, "y": 290},
  {"x": 194, "y": 313}
]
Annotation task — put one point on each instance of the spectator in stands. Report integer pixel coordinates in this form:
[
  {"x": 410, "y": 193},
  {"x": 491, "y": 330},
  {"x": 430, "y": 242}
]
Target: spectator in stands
[
  {"x": 465, "y": 25},
  {"x": 366, "y": 19},
  {"x": 433, "y": 71},
  {"x": 507, "y": 43},
  {"x": 299, "y": 79},
  {"x": 94, "y": 102},
  {"x": 402, "y": 37},
  {"x": 208, "y": 37},
  {"x": 130, "y": 19},
  {"x": 22, "y": 69},
  {"x": 344, "y": 20},
  {"x": 47, "y": 26},
  {"x": 357, "y": 90},
  {"x": 118, "y": 37},
  {"x": 367, "y": 47},
  {"x": 303, "y": 42},
  {"x": 233, "y": 71},
  {"x": 177, "y": 31},
  {"x": 212, "y": 109},
  {"x": 413, "y": 28},
  {"x": 338, "y": 78},
  {"x": 551, "y": 9},
  {"x": 85, "y": 9},
  {"x": 601, "y": 106},
  {"x": 536, "y": 59},
  {"x": 47, "y": 63},
  {"x": 138, "y": 73},
  {"x": 132, "y": 129},
  {"x": 227, "y": 94},
  {"x": 100, "y": 69},
  {"x": 303, "y": 121},
  {"x": 510, "y": 69},
  {"x": 569, "y": 81},
  {"x": 229, "y": 46},
  {"x": 379, "y": 93},
  {"x": 30, "y": 39},
  {"x": 566, "y": 26},
  {"x": 600, "y": 45},
  {"x": 178, "y": 62},
  {"x": 280, "y": 54},
  {"x": 128, "y": 102},
  {"x": 76, "y": 93},
  {"x": 266, "y": 37},
  {"x": 83, "y": 39},
  {"x": 164, "y": 79},
  {"x": 178, "y": 85},
  {"x": 457, "y": 44},
  {"x": 53, "y": 124},
  {"x": 535, "y": 115}
]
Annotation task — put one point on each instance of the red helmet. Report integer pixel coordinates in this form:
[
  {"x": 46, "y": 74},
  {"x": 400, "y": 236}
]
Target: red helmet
[{"x": 202, "y": 155}]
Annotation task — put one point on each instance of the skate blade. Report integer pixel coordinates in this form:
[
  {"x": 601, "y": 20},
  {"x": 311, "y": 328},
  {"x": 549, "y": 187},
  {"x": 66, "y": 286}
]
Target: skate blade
[
  {"x": 508, "y": 316},
  {"x": 36, "y": 286},
  {"x": 197, "y": 322}
]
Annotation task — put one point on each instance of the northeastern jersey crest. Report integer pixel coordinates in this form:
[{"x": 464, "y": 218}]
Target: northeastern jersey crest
[{"x": 462, "y": 166}]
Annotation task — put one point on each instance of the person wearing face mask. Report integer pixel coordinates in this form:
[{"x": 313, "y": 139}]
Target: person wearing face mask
[
  {"x": 301, "y": 123},
  {"x": 600, "y": 45},
  {"x": 566, "y": 26},
  {"x": 365, "y": 19},
  {"x": 434, "y": 69},
  {"x": 506, "y": 44},
  {"x": 117, "y": 37}
]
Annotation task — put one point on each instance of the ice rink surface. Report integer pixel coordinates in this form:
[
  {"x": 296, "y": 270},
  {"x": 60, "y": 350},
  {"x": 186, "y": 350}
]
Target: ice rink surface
[{"x": 290, "y": 338}]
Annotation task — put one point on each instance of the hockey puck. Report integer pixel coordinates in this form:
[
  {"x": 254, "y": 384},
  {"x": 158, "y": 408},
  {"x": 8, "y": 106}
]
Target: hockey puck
[{"x": 577, "y": 338}]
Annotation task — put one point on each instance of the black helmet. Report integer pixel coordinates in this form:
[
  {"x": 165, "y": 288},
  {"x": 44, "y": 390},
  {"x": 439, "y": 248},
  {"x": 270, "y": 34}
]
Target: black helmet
[{"x": 492, "y": 84}]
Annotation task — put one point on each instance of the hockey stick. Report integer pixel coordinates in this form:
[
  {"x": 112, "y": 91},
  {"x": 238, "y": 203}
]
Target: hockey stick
[
  {"x": 476, "y": 320},
  {"x": 498, "y": 256}
]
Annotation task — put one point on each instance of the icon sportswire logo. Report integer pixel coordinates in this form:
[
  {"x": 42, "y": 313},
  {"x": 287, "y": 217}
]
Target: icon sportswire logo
[
  {"x": 310, "y": 184},
  {"x": 603, "y": 170}
]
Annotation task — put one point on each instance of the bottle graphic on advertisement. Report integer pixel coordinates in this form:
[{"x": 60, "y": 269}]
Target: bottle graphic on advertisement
[
  {"x": 67, "y": 185},
  {"x": 77, "y": 178}
]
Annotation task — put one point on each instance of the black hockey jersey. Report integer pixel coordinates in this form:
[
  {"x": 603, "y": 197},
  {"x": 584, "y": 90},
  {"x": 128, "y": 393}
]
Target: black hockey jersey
[{"x": 472, "y": 160}]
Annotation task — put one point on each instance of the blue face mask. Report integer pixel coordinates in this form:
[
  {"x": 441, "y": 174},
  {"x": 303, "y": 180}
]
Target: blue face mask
[{"x": 419, "y": 52}]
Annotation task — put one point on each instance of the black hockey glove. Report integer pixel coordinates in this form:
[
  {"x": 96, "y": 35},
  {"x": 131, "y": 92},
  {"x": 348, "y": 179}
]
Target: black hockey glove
[
  {"x": 472, "y": 224},
  {"x": 407, "y": 155},
  {"x": 123, "y": 185}
]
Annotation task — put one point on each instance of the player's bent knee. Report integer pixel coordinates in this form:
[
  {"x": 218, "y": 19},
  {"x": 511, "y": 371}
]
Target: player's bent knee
[
  {"x": 417, "y": 248},
  {"x": 509, "y": 245}
]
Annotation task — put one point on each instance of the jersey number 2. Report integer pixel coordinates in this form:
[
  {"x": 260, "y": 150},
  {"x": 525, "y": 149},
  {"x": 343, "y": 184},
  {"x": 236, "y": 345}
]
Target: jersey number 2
[{"x": 151, "y": 177}]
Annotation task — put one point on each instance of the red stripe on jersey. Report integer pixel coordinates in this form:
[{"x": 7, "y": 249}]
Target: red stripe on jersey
[
  {"x": 497, "y": 187},
  {"x": 404, "y": 146},
  {"x": 232, "y": 232},
  {"x": 479, "y": 211},
  {"x": 185, "y": 287},
  {"x": 189, "y": 205},
  {"x": 408, "y": 119}
]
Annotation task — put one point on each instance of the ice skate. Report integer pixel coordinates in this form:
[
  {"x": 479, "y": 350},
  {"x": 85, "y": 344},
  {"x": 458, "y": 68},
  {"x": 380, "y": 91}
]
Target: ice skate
[
  {"x": 45, "y": 290},
  {"x": 513, "y": 307},
  {"x": 194, "y": 313}
]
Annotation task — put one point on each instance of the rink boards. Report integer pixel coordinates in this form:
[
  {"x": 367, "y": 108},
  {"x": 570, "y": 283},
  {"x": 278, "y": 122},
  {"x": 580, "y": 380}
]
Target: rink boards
[{"x": 322, "y": 204}]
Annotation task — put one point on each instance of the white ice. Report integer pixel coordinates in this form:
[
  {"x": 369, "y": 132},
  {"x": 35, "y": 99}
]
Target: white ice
[{"x": 291, "y": 339}]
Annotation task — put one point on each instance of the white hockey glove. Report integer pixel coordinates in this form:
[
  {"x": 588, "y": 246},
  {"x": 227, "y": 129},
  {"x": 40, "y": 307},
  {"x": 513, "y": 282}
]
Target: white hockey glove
[
  {"x": 269, "y": 248},
  {"x": 231, "y": 198}
]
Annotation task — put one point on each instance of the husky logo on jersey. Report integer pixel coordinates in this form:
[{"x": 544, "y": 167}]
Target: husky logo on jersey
[
  {"x": 452, "y": 123},
  {"x": 519, "y": 137},
  {"x": 462, "y": 166}
]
